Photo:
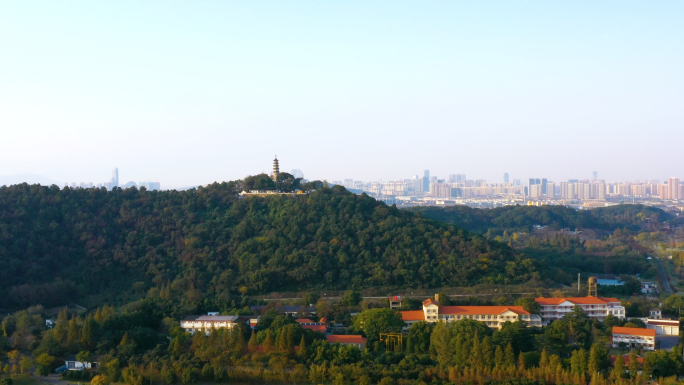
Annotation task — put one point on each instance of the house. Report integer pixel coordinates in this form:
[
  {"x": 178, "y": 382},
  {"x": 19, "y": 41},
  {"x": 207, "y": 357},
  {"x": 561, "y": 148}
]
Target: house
[
  {"x": 492, "y": 316},
  {"x": 72, "y": 363},
  {"x": 648, "y": 286},
  {"x": 633, "y": 337},
  {"x": 553, "y": 309},
  {"x": 655, "y": 313},
  {"x": 320, "y": 326},
  {"x": 663, "y": 327},
  {"x": 193, "y": 323},
  {"x": 395, "y": 302},
  {"x": 353, "y": 340}
]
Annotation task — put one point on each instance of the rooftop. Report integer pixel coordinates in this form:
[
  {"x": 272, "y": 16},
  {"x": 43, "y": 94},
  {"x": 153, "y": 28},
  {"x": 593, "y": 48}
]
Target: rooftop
[
  {"x": 347, "y": 339},
  {"x": 634, "y": 331}
]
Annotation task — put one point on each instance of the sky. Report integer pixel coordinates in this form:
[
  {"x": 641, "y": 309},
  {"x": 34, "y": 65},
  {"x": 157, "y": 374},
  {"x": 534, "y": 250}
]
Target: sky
[{"x": 191, "y": 92}]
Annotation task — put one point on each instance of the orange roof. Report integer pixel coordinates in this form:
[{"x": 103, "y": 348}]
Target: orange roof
[
  {"x": 589, "y": 300},
  {"x": 353, "y": 339},
  {"x": 625, "y": 358},
  {"x": 316, "y": 328},
  {"x": 429, "y": 302},
  {"x": 323, "y": 320},
  {"x": 481, "y": 310},
  {"x": 634, "y": 331},
  {"x": 304, "y": 321},
  {"x": 412, "y": 315},
  {"x": 610, "y": 299}
]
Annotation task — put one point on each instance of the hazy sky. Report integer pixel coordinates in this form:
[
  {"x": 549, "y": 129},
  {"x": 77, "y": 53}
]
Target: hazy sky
[{"x": 191, "y": 92}]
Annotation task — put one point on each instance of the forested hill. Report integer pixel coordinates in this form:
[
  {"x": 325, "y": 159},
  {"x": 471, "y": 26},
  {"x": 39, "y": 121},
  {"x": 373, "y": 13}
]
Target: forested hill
[
  {"x": 516, "y": 218},
  {"x": 63, "y": 245}
]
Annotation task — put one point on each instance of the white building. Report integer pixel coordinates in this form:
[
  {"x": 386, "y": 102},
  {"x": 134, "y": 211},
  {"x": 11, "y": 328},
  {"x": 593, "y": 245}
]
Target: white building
[
  {"x": 663, "y": 327},
  {"x": 193, "y": 323},
  {"x": 633, "y": 337},
  {"x": 556, "y": 308},
  {"x": 492, "y": 316}
]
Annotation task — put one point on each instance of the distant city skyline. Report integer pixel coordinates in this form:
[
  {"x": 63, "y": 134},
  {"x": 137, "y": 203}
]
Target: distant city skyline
[{"x": 195, "y": 92}]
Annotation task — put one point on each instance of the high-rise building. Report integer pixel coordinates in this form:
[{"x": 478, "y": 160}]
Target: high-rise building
[
  {"x": 673, "y": 188},
  {"x": 115, "y": 177},
  {"x": 276, "y": 169},
  {"x": 505, "y": 177},
  {"x": 595, "y": 175},
  {"x": 426, "y": 181}
]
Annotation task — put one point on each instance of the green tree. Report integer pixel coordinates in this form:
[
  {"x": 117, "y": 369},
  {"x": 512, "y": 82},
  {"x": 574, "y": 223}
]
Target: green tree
[
  {"x": 375, "y": 321},
  {"x": 618, "y": 367},
  {"x": 351, "y": 298},
  {"x": 268, "y": 344},
  {"x": 302, "y": 351},
  {"x": 633, "y": 364},
  {"x": 44, "y": 364},
  {"x": 598, "y": 359},
  {"x": 529, "y": 304},
  {"x": 87, "y": 338}
]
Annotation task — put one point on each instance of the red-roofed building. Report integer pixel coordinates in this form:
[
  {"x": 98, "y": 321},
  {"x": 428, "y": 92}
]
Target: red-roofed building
[
  {"x": 320, "y": 326},
  {"x": 625, "y": 358},
  {"x": 553, "y": 309},
  {"x": 354, "y": 340},
  {"x": 633, "y": 337},
  {"x": 492, "y": 316}
]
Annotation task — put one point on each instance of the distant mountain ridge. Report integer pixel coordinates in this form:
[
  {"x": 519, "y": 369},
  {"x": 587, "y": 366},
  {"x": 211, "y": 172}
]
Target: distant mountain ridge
[{"x": 9, "y": 180}]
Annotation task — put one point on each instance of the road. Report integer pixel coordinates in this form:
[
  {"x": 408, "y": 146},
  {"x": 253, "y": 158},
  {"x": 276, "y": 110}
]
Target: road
[{"x": 663, "y": 276}]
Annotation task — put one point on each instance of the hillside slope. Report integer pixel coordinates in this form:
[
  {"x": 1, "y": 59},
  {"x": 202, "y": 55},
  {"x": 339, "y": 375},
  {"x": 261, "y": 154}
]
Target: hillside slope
[{"x": 61, "y": 245}]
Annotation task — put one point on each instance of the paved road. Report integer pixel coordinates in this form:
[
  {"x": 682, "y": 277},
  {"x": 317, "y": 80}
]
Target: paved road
[{"x": 663, "y": 276}]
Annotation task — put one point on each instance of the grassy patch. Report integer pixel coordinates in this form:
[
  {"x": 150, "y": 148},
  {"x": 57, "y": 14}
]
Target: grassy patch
[{"x": 23, "y": 379}]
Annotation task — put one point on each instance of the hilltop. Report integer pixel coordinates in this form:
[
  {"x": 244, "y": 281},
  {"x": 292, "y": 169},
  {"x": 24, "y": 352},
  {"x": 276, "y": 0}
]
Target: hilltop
[{"x": 64, "y": 245}]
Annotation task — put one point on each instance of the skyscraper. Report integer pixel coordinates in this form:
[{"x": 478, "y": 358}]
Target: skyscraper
[
  {"x": 595, "y": 175},
  {"x": 426, "y": 181},
  {"x": 505, "y": 177},
  {"x": 115, "y": 177},
  {"x": 673, "y": 188}
]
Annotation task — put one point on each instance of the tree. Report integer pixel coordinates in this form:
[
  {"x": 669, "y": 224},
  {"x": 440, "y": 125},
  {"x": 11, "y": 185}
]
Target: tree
[
  {"x": 419, "y": 334},
  {"x": 648, "y": 368},
  {"x": 633, "y": 364},
  {"x": 253, "y": 343},
  {"x": 85, "y": 356},
  {"x": 25, "y": 363},
  {"x": 100, "y": 379},
  {"x": 310, "y": 298},
  {"x": 302, "y": 351},
  {"x": 618, "y": 367},
  {"x": 351, "y": 298},
  {"x": 44, "y": 363},
  {"x": 529, "y": 304},
  {"x": 598, "y": 359},
  {"x": 509, "y": 356},
  {"x": 87, "y": 333},
  {"x": 375, "y": 321},
  {"x": 268, "y": 342}
]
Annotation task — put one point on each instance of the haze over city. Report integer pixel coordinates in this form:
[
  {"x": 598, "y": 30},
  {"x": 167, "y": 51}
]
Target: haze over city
[{"x": 192, "y": 93}]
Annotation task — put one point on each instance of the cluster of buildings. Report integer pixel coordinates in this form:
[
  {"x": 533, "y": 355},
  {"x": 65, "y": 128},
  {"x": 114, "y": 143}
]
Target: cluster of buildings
[
  {"x": 114, "y": 182},
  {"x": 211, "y": 321},
  {"x": 457, "y": 189},
  {"x": 551, "y": 309}
]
